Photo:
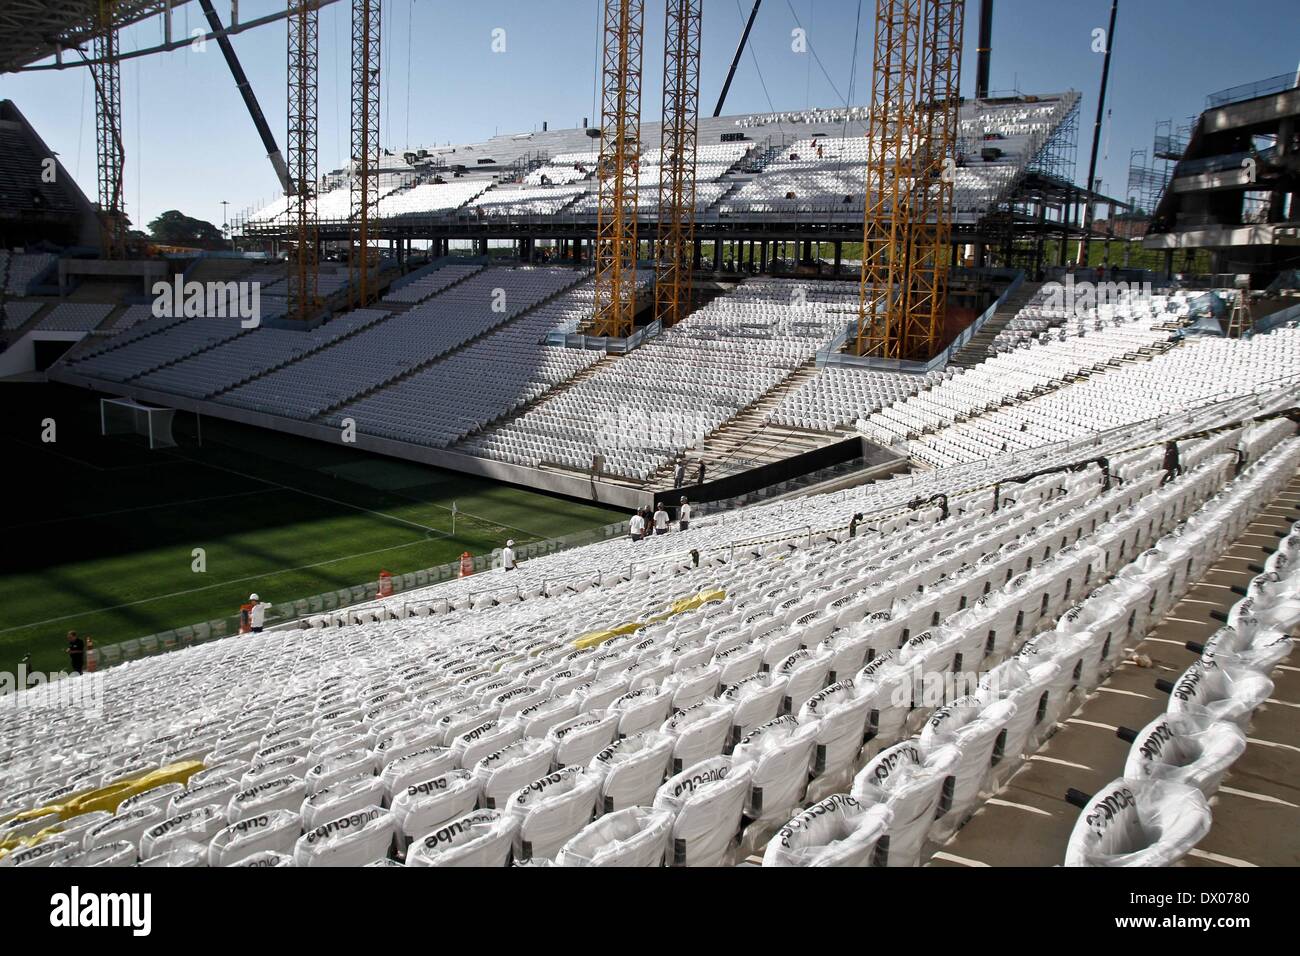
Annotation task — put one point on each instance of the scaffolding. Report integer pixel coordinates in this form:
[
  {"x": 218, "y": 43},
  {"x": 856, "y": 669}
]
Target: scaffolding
[
  {"x": 911, "y": 176},
  {"x": 364, "y": 208},
  {"x": 110, "y": 155},
  {"x": 678, "y": 138},
  {"x": 620, "y": 137},
  {"x": 304, "y": 24},
  {"x": 890, "y": 135}
]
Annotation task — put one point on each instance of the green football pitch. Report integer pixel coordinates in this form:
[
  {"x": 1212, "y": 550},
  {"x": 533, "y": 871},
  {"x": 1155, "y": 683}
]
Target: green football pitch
[{"x": 100, "y": 533}]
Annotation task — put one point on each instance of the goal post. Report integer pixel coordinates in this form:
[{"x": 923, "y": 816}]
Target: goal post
[{"x": 122, "y": 416}]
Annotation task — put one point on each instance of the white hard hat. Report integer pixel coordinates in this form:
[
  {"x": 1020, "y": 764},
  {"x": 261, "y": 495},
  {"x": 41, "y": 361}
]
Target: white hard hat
[
  {"x": 510, "y": 543},
  {"x": 254, "y": 597}
]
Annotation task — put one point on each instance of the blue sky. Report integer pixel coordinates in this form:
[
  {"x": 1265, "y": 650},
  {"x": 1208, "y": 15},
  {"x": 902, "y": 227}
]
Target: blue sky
[{"x": 190, "y": 143}]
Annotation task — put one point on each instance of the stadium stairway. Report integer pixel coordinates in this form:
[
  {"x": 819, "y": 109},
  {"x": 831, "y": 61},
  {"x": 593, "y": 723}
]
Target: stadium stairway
[
  {"x": 1256, "y": 810},
  {"x": 977, "y": 349},
  {"x": 748, "y": 439}
]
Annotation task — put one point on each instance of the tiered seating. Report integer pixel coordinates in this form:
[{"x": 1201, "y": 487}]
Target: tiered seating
[
  {"x": 839, "y": 395},
  {"x": 433, "y": 283},
  {"x": 387, "y": 349},
  {"x": 1011, "y": 376},
  {"x": 1196, "y": 372},
  {"x": 431, "y": 199},
  {"x": 18, "y": 314},
  {"x": 120, "y": 361},
  {"x": 250, "y": 355},
  {"x": 477, "y": 385},
  {"x": 660, "y": 399},
  {"x": 515, "y": 200},
  {"x": 1160, "y": 808},
  {"x": 24, "y": 269},
  {"x": 726, "y": 696},
  {"x": 75, "y": 317}
]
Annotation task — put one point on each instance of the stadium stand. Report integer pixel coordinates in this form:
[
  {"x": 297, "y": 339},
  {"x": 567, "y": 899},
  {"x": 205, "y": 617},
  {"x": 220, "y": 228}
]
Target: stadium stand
[
  {"x": 777, "y": 683},
  {"x": 660, "y": 399}
]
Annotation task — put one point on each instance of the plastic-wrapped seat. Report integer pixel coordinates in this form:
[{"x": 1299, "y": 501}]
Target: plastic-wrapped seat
[
  {"x": 126, "y": 826},
  {"x": 841, "y": 715},
  {"x": 580, "y": 738},
  {"x": 341, "y": 798},
  {"x": 552, "y": 809},
  {"x": 805, "y": 671},
  {"x": 479, "y": 838},
  {"x": 738, "y": 662},
  {"x": 757, "y": 700},
  {"x": 1256, "y": 648},
  {"x": 915, "y": 786},
  {"x": 197, "y": 825},
  {"x": 699, "y": 732},
  {"x": 633, "y": 836},
  {"x": 642, "y": 709},
  {"x": 1139, "y": 823},
  {"x": 978, "y": 732},
  {"x": 631, "y": 769},
  {"x": 1221, "y": 691},
  {"x": 1069, "y": 652},
  {"x": 414, "y": 767},
  {"x": 889, "y": 688},
  {"x": 848, "y": 654},
  {"x": 780, "y": 752},
  {"x": 707, "y": 801},
  {"x": 1193, "y": 749},
  {"x": 501, "y": 773},
  {"x": 359, "y": 838},
  {"x": 276, "y": 830},
  {"x": 690, "y": 685},
  {"x": 1029, "y": 688},
  {"x": 423, "y": 807},
  {"x": 838, "y": 831}
]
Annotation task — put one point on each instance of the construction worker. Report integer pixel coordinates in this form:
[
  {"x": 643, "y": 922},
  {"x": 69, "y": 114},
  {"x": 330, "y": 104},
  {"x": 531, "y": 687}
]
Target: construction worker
[
  {"x": 257, "y": 613},
  {"x": 76, "y": 652}
]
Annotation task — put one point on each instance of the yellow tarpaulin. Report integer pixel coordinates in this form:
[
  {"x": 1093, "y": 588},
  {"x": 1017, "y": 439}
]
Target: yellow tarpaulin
[{"x": 681, "y": 606}]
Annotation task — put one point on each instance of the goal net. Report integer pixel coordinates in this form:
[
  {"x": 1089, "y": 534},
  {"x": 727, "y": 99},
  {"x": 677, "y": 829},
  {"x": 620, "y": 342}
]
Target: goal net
[{"x": 121, "y": 416}]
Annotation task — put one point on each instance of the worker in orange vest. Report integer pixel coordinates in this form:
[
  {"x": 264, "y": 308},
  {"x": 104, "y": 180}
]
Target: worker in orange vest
[{"x": 466, "y": 565}]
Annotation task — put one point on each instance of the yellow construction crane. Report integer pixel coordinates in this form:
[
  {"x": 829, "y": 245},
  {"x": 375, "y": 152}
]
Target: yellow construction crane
[
  {"x": 366, "y": 33},
  {"x": 678, "y": 138},
  {"x": 106, "y": 76},
  {"x": 303, "y": 20},
  {"x": 911, "y": 173},
  {"x": 620, "y": 146}
]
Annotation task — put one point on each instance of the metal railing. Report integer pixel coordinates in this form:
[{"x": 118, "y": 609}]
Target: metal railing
[{"x": 1248, "y": 91}]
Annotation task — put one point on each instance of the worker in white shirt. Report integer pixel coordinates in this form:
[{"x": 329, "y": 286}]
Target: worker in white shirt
[
  {"x": 508, "y": 556},
  {"x": 661, "y": 519},
  {"x": 683, "y": 514},
  {"x": 637, "y": 527},
  {"x": 257, "y": 615}
]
